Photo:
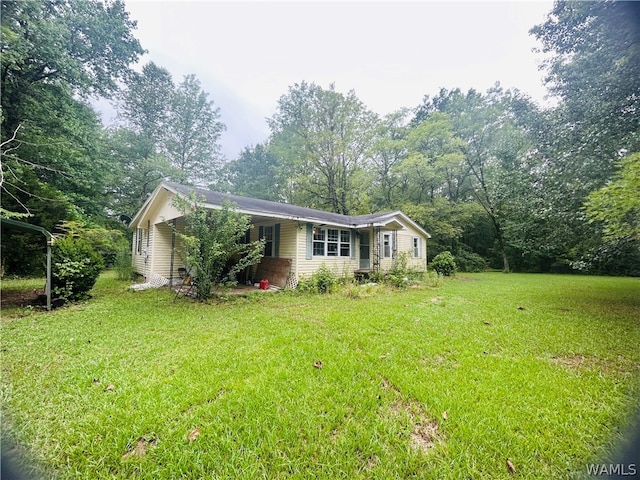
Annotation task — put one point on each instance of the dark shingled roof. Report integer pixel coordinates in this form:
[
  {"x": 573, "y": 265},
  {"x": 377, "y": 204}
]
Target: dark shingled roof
[{"x": 266, "y": 207}]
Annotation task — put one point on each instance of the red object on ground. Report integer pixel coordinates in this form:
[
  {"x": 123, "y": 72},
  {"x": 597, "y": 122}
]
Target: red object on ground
[{"x": 264, "y": 284}]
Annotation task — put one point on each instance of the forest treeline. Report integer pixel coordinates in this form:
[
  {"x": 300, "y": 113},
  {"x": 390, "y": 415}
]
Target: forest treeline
[{"x": 496, "y": 179}]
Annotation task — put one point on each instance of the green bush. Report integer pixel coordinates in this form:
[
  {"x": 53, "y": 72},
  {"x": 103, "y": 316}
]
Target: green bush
[
  {"x": 322, "y": 281},
  {"x": 469, "y": 262},
  {"x": 75, "y": 268},
  {"x": 104, "y": 241},
  {"x": 444, "y": 263}
]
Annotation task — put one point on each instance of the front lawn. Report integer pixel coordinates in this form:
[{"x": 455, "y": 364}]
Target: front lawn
[{"x": 445, "y": 382}]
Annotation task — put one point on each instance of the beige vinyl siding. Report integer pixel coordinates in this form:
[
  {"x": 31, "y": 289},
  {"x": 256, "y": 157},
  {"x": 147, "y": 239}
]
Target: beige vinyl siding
[
  {"x": 142, "y": 261},
  {"x": 161, "y": 256},
  {"x": 339, "y": 265},
  {"x": 138, "y": 258},
  {"x": 404, "y": 243}
]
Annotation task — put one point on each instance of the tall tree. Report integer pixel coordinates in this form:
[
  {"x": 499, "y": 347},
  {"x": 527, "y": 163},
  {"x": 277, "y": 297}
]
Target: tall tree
[
  {"x": 325, "y": 137},
  {"x": 143, "y": 105},
  {"x": 389, "y": 149},
  {"x": 494, "y": 148},
  {"x": 256, "y": 173},
  {"x": 191, "y": 141},
  {"x": 54, "y": 54},
  {"x": 594, "y": 69}
]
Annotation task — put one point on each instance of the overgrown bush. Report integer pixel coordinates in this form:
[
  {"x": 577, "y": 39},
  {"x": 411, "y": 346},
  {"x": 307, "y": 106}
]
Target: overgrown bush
[
  {"x": 75, "y": 268},
  {"x": 444, "y": 263},
  {"x": 399, "y": 276},
  {"x": 323, "y": 280},
  {"x": 214, "y": 244},
  {"x": 104, "y": 241},
  {"x": 469, "y": 262}
]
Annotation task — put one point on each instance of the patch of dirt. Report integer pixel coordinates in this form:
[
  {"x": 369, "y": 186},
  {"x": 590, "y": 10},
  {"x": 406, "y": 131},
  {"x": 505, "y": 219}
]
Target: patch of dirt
[
  {"x": 608, "y": 366},
  {"x": 141, "y": 448},
  {"x": 424, "y": 429},
  {"x": 21, "y": 298},
  {"x": 424, "y": 435}
]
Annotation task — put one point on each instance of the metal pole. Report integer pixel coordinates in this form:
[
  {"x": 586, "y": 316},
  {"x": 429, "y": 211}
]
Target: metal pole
[{"x": 48, "y": 286}]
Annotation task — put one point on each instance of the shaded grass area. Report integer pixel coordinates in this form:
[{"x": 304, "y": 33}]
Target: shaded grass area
[{"x": 425, "y": 383}]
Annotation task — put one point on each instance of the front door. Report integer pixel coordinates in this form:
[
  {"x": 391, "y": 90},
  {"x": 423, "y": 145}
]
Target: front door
[{"x": 365, "y": 263}]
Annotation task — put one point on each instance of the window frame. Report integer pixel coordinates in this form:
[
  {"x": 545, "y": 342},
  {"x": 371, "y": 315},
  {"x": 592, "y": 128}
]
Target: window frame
[
  {"x": 416, "y": 244},
  {"x": 139, "y": 239},
  {"x": 387, "y": 245},
  {"x": 331, "y": 242},
  {"x": 268, "y": 235}
]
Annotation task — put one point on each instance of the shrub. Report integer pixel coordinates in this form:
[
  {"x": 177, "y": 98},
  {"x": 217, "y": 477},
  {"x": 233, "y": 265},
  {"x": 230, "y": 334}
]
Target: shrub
[
  {"x": 107, "y": 243},
  {"x": 75, "y": 268},
  {"x": 323, "y": 280},
  {"x": 469, "y": 262},
  {"x": 444, "y": 263}
]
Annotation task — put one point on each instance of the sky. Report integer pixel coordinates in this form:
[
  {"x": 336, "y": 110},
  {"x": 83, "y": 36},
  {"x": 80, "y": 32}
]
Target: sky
[{"x": 392, "y": 54}]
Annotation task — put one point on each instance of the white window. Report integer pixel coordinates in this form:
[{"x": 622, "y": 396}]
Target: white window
[
  {"x": 331, "y": 242},
  {"x": 417, "y": 247},
  {"x": 139, "y": 235},
  {"x": 387, "y": 247}
]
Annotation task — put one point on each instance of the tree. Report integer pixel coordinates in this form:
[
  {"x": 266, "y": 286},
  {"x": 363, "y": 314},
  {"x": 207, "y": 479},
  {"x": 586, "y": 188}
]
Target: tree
[
  {"x": 594, "y": 69},
  {"x": 136, "y": 170},
  {"x": 495, "y": 149},
  {"x": 193, "y": 132},
  {"x": 83, "y": 46},
  {"x": 143, "y": 106},
  {"x": 389, "y": 149},
  {"x": 256, "y": 173},
  {"x": 617, "y": 204},
  {"x": 436, "y": 161},
  {"x": 54, "y": 55},
  {"x": 215, "y": 245},
  {"x": 324, "y": 137}
]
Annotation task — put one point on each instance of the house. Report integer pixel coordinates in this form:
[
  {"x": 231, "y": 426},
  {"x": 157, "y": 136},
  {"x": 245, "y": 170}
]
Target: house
[{"x": 298, "y": 240}]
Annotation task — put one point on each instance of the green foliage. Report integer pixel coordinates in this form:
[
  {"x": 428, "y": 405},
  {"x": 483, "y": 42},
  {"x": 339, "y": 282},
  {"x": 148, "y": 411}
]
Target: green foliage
[
  {"x": 214, "y": 244},
  {"x": 467, "y": 261},
  {"x": 323, "y": 138},
  {"x": 444, "y": 263},
  {"x": 54, "y": 55},
  {"x": 323, "y": 280},
  {"x": 400, "y": 276},
  {"x": 104, "y": 241},
  {"x": 75, "y": 268},
  {"x": 257, "y": 173},
  {"x": 191, "y": 140},
  {"x": 617, "y": 204}
]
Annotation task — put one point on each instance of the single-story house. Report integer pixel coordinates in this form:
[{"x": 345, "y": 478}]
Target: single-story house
[{"x": 298, "y": 240}]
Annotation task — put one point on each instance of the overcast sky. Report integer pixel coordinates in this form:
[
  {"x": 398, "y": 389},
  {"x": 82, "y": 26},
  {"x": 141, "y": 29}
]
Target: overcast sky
[{"x": 247, "y": 54}]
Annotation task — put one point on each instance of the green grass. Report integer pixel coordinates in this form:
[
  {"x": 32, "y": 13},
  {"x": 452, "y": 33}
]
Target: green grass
[{"x": 543, "y": 370}]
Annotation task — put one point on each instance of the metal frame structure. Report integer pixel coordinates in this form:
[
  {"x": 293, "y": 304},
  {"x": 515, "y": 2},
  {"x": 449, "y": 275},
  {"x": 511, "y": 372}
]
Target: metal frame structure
[{"x": 27, "y": 227}]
